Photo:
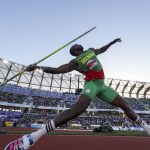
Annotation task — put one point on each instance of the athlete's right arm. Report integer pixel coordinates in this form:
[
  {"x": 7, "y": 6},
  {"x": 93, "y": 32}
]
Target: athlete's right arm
[
  {"x": 72, "y": 65},
  {"x": 105, "y": 47}
]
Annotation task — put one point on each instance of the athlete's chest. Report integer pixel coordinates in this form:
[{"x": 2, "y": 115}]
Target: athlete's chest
[{"x": 84, "y": 58}]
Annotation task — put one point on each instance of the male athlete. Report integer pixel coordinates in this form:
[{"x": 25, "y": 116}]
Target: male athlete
[{"x": 86, "y": 62}]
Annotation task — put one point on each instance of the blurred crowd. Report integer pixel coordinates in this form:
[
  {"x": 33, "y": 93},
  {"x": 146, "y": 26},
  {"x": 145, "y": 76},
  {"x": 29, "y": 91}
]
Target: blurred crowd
[
  {"x": 34, "y": 97},
  {"x": 22, "y": 95}
]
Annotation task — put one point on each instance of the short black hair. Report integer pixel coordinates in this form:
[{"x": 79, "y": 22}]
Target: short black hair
[{"x": 75, "y": 47}]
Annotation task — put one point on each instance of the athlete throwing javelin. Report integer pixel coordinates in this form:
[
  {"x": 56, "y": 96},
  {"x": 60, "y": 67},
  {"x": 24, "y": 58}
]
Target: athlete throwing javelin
[{"x": 87, "y": 63}]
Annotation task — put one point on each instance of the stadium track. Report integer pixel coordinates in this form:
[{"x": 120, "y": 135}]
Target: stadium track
[{"x": 79, "y": 142}]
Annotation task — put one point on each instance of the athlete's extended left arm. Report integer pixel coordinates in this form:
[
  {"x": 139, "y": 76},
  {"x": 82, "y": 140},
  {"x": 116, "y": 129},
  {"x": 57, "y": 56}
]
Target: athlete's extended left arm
[{"x": 104, "y": 48}]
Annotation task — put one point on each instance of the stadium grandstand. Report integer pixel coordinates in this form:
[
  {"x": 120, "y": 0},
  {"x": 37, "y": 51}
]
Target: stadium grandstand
[{"x": 33, "y": 97}]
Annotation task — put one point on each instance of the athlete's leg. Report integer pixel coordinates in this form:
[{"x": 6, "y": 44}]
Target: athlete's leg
[
  {"x": 75, "y": 111},
  {"x": 113, "y": 98},
  {"x": 63, "y": 117},
  {"x": 120, "y": 102},
  {"x": 27, "y": 140}
]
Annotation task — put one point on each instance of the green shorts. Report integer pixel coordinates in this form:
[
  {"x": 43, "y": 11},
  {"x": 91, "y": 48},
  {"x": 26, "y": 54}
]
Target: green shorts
[{"x": 98, "y": 88}]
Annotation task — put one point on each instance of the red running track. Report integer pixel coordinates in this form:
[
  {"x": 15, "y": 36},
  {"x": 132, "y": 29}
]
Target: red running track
[{"x": 61, "y": 142}]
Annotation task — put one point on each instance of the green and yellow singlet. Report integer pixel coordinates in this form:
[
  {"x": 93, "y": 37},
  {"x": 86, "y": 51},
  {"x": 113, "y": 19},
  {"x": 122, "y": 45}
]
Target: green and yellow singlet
[{"x": 89, "y": 63}]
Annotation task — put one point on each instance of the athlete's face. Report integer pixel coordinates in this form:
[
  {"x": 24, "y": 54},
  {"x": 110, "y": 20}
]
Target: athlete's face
[{"x": 76, "y": 50}]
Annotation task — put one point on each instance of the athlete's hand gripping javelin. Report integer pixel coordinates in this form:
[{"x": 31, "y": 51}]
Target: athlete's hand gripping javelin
[{"x": 32, "y": 67}]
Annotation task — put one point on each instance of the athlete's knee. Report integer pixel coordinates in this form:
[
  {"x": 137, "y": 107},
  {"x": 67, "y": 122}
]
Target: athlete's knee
[
  {"x": 82, "y": 104},
  {"x": 120, "y": 102},
  {"x": 79, "y": 109}
]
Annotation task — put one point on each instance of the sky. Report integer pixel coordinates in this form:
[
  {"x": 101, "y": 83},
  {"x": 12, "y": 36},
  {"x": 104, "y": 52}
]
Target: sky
[{"x": 31, "y": 29}]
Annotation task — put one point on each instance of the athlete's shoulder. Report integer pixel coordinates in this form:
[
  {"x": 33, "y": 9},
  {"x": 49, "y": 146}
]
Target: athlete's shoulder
[
  {"x": 91, "y": 49},
  {"x": 73, "y": 62}
]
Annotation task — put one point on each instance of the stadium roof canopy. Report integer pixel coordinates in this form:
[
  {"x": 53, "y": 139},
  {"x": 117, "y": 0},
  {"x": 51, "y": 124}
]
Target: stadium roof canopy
[{"x": 67, "y": 82}]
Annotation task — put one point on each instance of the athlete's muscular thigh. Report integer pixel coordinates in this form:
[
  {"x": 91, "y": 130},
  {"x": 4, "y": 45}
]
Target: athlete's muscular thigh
[
  {"x": 82, "y": 103},
  {"x": 120, "y": 102}
]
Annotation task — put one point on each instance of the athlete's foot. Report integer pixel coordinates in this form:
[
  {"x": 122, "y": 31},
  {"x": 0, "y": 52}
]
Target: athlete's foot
[
  {"x": 146, "y": 127},
  {"x": 20, "y": 144}
]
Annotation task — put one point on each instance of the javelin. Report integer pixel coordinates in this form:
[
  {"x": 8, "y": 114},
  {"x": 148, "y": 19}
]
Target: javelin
[{"x": 52, "y": 53}]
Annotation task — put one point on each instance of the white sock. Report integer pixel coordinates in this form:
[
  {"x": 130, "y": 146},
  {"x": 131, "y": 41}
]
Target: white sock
[
  {"x": 144, "y": 125},
  {"x": 49, "y": 126},
  {"x": 141, "y": 122}
]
